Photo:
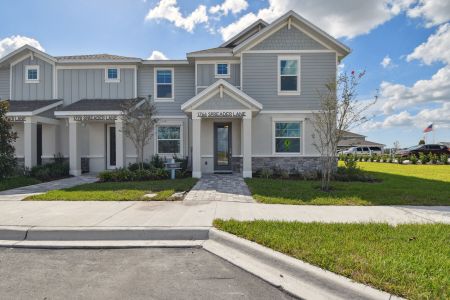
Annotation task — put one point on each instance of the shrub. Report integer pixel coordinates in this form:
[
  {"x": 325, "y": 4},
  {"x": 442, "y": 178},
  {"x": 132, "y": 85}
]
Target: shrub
[
  {"x": 266, "y": 173},
  {"x": 345, "y": 174},
  {"x": 135, "y": 166},
  {"x": 413, "y": 159},
  {"x": 183, "y": 162},
  {"x": 444, "y": 159},
  {"x": 56, "y": 170},
  {"x": 284, "y": 174},
  {"x": 400, "y": 160},
  {"x": 432, "y": 158},
  {"x": 390, "y": 159},
  {"x": 136, "y": 175},
  {"x": 350, "y": 162},
  {"x": 423, "y": 158},
  {"x": 157, "y": 161}
]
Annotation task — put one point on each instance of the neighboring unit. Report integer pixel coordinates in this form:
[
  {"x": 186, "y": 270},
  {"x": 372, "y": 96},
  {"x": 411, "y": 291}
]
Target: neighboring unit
[{"x": 240, "y": 107}]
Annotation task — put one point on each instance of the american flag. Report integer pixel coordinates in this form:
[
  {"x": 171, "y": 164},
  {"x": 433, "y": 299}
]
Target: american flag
[{"x": 429, "y": 128}]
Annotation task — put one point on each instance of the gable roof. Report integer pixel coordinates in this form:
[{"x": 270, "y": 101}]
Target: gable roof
[
  {"x": 258, "y": 25},
  {"x": 31, "y": 107},
  {"x": 211, "y": 91},
  {"x": 218, "y": 51},
  {"x": 26, "y": 48},
  {"x": 342, "y": 49}
]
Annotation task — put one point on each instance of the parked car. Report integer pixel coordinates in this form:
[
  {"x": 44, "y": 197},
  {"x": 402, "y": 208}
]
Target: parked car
[
  {"x": 362, "y": 150},
  {"x": 426, "y": 149}
]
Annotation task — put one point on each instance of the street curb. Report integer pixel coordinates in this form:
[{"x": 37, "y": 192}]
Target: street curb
[
  {"x": 104, "y": 233},
  {"x": 292, "y": 275}
]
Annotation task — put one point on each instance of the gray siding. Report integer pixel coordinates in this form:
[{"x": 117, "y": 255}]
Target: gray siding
[
  {"x": 4, "y": 84},
  {"x": 76, "y": 84},
  {"x": 289, "y": 39},
  {"x": 260, "y": 80},
  {"x": 32, "y": 91},
  {"x": 226, "y": 102},
  {"x": 184, "y": 88},
  {"x": 206, "y": 75}
]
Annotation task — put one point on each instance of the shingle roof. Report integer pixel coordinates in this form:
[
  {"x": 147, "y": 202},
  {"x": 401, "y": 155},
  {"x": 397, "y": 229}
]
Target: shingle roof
[
  {"x": 97, "y": 105},
  {"x": 102, "y": 56},
  {"x": 216, "y": 50},
  {"x": 351, "y": 134},
  {"x": 29, "y": 105},
  {"x": 357, "y": 142}
]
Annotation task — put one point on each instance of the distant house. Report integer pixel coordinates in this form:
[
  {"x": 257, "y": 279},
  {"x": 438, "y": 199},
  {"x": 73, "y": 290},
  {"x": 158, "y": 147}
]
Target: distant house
[{"x": 350, "y": 139}]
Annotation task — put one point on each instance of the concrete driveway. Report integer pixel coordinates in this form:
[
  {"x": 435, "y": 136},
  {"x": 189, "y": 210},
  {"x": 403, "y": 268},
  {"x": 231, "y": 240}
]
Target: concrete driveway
[{"x": 126, "y": 274}]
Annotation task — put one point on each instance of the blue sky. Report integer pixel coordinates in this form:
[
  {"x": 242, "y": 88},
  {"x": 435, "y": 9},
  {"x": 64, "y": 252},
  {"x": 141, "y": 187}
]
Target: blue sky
[{"x": 412, "y": 37}]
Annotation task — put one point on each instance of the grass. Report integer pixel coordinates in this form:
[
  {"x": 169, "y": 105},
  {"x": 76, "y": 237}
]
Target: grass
[
  {"x": 119, "y": 191},
  {"x": 400, "y": 185},
  {"x": 16, "y": 182},
  {"x": 410, "y": 260}
]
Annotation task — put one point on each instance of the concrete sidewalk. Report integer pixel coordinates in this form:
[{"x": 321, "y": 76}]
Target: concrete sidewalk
[
  {"x": 200, "y": 214},
  {"x": 25, "y": 191}
]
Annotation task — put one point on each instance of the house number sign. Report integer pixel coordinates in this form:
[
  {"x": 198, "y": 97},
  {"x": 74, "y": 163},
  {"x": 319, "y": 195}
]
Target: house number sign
[
  {"x": 95, "y": 118},
  {"x": 221, "y": 114}
]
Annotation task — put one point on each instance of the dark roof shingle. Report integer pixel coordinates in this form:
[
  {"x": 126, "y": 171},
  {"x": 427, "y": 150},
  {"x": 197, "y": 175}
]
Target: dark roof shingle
[
  {"x": 29, "y": 105},
  {"x": 97, "y": 105}
]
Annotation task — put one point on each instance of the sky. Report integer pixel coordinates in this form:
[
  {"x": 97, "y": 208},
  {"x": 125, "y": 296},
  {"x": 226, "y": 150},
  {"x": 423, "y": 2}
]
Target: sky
[{"x": 403, "y": 45}]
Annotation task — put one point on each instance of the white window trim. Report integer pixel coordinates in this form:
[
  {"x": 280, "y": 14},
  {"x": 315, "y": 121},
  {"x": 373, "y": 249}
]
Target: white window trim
[
  {"x": 288, "y": 57},
  {"x": 222, "y": 75},
  {"x": 28, "y": 67},
  {"x": 155, "y": 84},
  {"x": 109, "y": 80},
  {"x": 302, "y": 134},
  {"x": 169, "y": 124}
]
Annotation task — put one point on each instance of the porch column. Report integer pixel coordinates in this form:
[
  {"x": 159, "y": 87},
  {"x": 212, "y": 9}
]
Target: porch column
[
  {"x": 196, "y": 148},
  {"x": 74, "y": 148},
  {"x": 30, "y": 142},
  {"x": 120, "y": 144},
  {"x": 247, "y": 147}
]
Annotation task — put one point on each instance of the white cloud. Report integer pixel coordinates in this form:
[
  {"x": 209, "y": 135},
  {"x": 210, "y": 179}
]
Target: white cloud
[
  {"x": 436, "y": 48},
  {"x": 233, "y": 6},
  {"x": 14, "y": 42},
  {"x": 434, "y": 12},
  {"x": 386, "y": 62},
  {"x": 169, "y": 10},
  {"x": 345, "y": 18},
  {"x": 157, "y": 55}
]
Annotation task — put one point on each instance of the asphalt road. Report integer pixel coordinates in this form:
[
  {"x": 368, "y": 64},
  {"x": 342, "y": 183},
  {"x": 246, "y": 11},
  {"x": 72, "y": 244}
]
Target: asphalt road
[{"x": 126, "y": 274}]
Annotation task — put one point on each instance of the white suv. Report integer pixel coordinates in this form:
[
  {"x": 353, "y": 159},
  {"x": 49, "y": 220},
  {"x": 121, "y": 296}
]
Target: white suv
[{"x": 363, "y": 150}]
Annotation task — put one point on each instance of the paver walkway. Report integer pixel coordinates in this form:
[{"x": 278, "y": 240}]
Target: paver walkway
[
  {"x": 223, "y": 187},
  {"x": 25, "y": 191}
]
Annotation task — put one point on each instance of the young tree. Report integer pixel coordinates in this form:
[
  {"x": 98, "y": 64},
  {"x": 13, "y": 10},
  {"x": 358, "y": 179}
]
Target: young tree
[
  {"x": 7, "y": 138},
  {"x": 340, "y": 110},
  {"x": 139, "y": 124}
]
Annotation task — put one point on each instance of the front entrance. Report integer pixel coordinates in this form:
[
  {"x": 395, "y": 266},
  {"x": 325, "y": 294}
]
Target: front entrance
[{"x": 222, "y": 148}]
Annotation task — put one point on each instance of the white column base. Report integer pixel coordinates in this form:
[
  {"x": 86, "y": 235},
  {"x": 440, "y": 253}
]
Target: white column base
[
  {"x": 247, "y": 174},
  {"x": 75, "y": 172},
  {"x": 197, "y": 175}
]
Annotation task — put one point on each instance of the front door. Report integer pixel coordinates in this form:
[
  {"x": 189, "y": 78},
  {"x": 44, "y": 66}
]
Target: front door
[{"x": 222, "y": 147}]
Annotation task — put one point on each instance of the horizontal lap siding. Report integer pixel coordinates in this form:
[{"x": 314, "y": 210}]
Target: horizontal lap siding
[
  {"x": 4, "y": 84},
  {"x": 184, "y": 88},
  {"x": 206, "y": 74},
  {"x": 260, "y": 71},
  {"x": 32, "y": 91},
  {"x": 76, "y": 84}
]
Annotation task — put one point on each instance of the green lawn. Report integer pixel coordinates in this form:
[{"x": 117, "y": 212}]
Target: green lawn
[
  {"x": 400, "y": 185},
  {"x": 411, "y": 260},
  {"x": 119, "y": 191},
  {"x": 15, "y": 182}
]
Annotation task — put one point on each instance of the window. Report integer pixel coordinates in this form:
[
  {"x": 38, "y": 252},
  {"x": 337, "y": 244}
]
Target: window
[
  {"x": 112, "y": 75},
  {"x": 169, "y": 139},
  {"x": 289, "y": 75},
  {"x": 222, "y": 70},
  {"x": 164, "y": 84},
  {"x": 31, "y": 74},
  {"x": 287, "y": 137}
]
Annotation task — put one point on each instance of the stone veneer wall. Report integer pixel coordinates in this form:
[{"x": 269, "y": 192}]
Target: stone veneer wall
[
  {"x": 301, "y": 164},
  {"x": 236, "y": 164}
]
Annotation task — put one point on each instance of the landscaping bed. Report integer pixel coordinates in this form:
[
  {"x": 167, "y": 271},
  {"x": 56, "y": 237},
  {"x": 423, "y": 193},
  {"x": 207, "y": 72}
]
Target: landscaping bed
[
  {"x": 120, "y": 191},
  {"x": 16, "y": 182},
  {"x": 407, "y": 260},
  {"x": 395, "y": 184}
]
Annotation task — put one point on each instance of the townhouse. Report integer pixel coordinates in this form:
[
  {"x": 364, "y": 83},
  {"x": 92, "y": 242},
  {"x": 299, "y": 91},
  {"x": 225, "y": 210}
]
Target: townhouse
[{"x": 244, "y": 105}]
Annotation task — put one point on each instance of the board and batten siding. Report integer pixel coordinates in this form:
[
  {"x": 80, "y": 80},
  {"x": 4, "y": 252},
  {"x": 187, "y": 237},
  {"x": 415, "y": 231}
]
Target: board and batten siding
[
  {"x": 77, "y": 84},
  {"x": 4, "y": 84},
  {"x": 184, "y": 88},
  {"x": 260, "y": 79},
  {"x": 206, "y": 75},
  {"x": 42, "y": 90}
]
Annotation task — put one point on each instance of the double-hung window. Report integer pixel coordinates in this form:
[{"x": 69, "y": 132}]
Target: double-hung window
[
  {"x": 287, "y": 137},
  {"x": 169, "y": 139},
  {"x": 112, "y": 75},
  {"x": 164, "y": 84},
  {"x": 222, "y": 70},
  {"x": 32, "y": 74},
  {"x": 289, "y": 75}
]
